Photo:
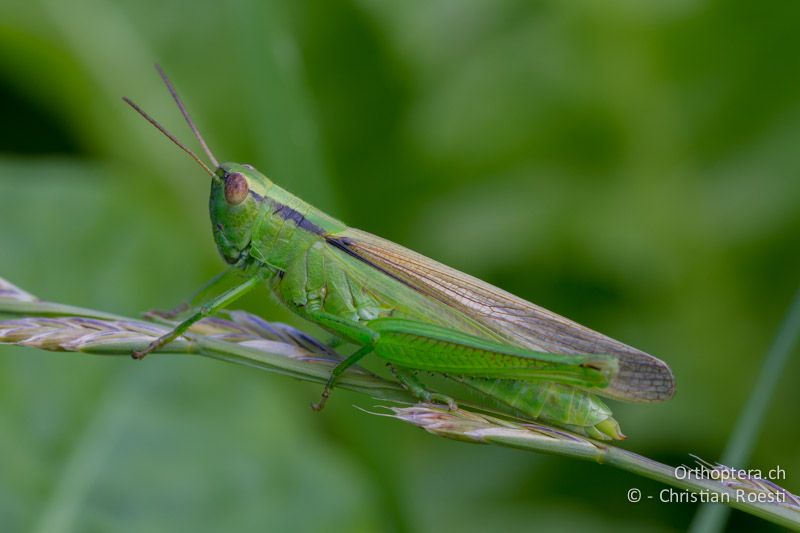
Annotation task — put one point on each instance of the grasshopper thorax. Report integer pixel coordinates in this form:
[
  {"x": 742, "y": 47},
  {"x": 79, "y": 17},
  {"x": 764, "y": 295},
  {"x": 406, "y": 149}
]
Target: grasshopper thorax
[{"x": 237, "y": 192}]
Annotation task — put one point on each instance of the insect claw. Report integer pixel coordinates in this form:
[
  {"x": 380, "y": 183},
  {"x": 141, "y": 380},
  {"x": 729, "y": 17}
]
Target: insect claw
[
  {"x": 320, "y": 405},
  {"x": 444, "y": 399},
  {"x": 153, "y": 346}
]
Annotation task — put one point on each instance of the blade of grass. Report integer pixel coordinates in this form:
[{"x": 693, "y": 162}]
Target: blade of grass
[
  {"x": 712, "y": 517},
  {"x": 246, "y": 339},
  {"x": 480, "y": 428}
]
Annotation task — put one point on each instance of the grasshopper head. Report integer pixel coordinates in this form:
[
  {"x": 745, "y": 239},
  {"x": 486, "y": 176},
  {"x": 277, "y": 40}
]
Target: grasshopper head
[{"x": 237, "y": 192}]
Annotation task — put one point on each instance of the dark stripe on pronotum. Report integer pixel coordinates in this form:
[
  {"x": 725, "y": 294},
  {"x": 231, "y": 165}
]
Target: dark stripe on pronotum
[
  {"x": 342, "y": 243},
  {"x": 287, "y": 213}
]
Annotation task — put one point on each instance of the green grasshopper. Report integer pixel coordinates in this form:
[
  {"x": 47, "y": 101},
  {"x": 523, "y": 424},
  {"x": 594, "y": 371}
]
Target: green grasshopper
[{"x": 413, "y": 312}]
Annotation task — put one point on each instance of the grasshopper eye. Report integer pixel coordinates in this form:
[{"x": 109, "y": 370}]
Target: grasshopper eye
[{"x": 236, "y": 188}]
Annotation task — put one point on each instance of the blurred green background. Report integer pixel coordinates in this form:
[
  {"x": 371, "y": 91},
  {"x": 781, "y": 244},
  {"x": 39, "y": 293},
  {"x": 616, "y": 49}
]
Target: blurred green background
[{"x": 632, "y": 165}]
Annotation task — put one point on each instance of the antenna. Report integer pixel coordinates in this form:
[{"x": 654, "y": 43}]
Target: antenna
[
  {"x": 169, "y": 136},
  {"x": 185, "y": 114}
]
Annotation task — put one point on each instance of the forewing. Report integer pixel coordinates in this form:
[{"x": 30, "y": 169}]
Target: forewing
[{"x": 641, "y": 377}]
